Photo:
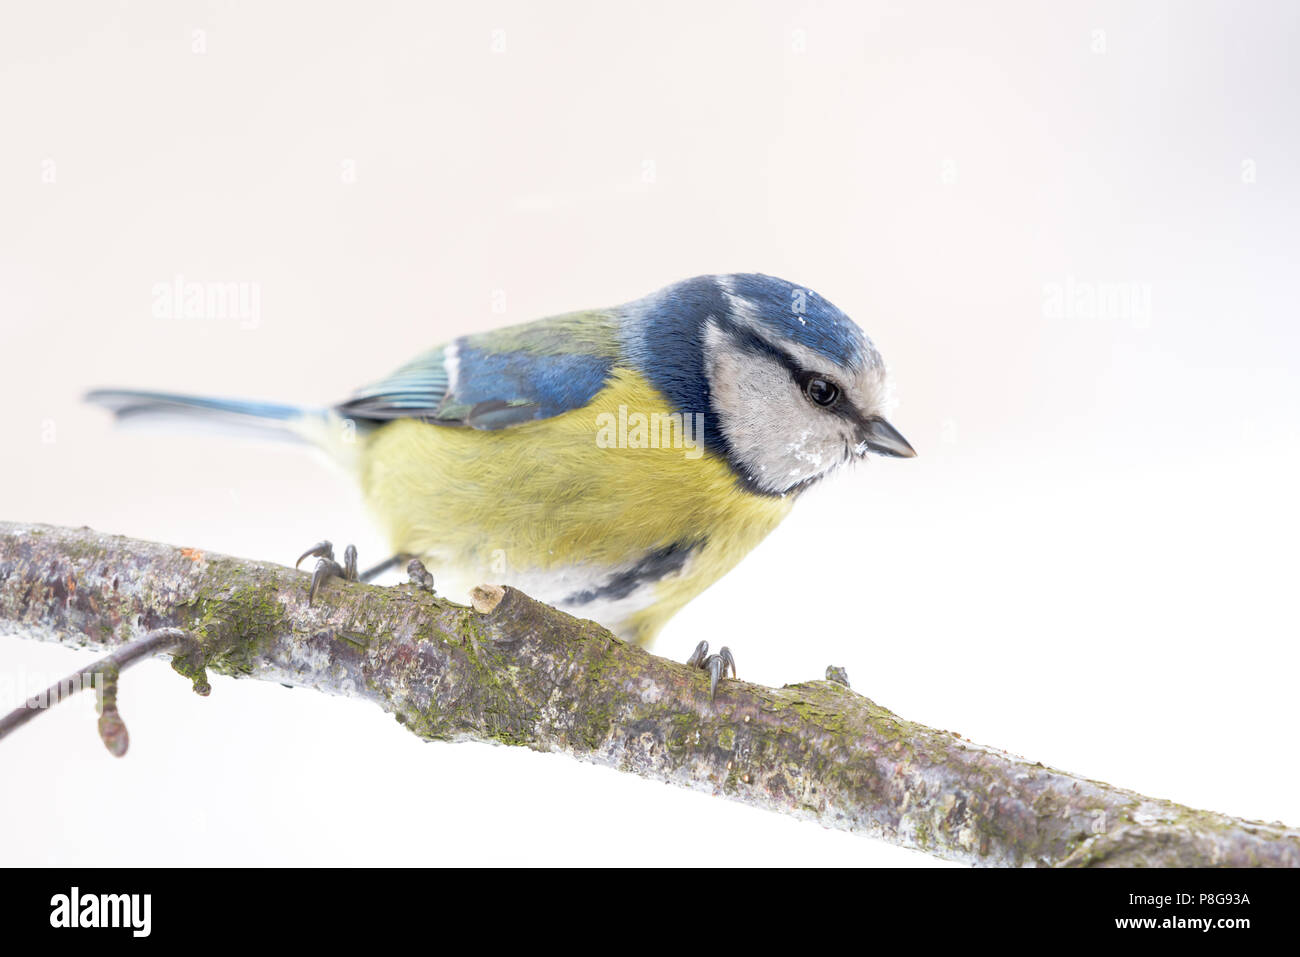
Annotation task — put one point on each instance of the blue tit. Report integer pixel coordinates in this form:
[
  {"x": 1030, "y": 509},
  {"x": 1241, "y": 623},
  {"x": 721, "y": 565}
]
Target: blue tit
[{"x": 611, "y": 462}]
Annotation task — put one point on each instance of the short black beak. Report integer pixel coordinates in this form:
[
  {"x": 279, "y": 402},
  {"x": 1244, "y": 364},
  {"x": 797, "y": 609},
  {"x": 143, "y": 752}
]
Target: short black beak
[{"x": 883, "y": 439}]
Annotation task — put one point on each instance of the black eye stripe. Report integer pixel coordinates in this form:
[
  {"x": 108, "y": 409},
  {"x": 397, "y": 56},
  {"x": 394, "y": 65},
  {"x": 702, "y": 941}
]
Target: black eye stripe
[{"x": 749, "y": 341}]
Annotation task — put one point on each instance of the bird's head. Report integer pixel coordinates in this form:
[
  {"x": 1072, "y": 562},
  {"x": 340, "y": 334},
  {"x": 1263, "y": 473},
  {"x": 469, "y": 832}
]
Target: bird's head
[{"x": 793, "y": 387}]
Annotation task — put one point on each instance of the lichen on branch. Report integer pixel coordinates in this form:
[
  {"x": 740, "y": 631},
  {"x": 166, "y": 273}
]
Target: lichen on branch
[{"x": 511, "y": 670}]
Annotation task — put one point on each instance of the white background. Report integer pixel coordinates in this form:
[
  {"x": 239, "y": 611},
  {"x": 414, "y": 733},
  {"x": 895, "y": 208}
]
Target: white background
[{"x": 1091, "y": 563}]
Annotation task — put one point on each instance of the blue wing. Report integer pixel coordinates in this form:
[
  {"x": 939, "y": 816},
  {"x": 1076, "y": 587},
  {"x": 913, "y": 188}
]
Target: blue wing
[{"x": 500, "y": 378}]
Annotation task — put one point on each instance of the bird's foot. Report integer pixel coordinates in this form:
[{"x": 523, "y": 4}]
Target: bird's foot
[
  {"x": 327, "y": 567},
  {"x": 420, "y": 576},
  {"x": 715, "y": 665}
]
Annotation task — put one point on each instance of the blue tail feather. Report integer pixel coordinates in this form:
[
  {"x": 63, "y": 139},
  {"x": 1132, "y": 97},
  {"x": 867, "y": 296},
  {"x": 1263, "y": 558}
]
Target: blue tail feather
[
  {"x": 124, "y": 402},
  {"x": 132, "y": 406}
]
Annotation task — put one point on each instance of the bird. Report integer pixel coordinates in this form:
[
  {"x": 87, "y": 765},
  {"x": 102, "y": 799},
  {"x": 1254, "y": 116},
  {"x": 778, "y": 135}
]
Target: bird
[{"x": 612, "y": 462}]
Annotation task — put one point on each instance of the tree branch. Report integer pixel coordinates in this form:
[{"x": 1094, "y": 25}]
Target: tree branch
[{"x": 514, "y": 671}]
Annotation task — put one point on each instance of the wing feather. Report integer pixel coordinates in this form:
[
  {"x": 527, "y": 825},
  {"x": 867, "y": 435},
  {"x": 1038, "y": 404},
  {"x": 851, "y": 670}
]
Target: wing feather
[{"x": 497, "y": 379}]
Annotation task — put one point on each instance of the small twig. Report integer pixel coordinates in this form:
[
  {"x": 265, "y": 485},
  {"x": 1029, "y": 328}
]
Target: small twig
[{"x": 101, "y": 675}]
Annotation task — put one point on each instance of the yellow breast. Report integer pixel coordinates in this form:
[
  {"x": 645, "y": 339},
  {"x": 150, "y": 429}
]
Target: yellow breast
[{"x": 558, "y": 506}]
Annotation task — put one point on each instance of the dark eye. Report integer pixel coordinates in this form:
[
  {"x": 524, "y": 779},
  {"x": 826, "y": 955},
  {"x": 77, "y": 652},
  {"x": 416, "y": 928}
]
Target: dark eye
[{"x": 821, "y": 391}]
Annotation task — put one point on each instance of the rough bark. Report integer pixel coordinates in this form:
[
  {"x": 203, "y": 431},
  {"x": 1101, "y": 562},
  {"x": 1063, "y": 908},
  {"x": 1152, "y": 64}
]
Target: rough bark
[{"x": 518, "y": 672}]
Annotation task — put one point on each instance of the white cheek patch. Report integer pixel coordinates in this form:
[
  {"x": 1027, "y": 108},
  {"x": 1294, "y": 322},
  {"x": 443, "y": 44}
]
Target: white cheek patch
[
  {"x": 774, "y": 432},
  {"x": 809, "y": 451}
]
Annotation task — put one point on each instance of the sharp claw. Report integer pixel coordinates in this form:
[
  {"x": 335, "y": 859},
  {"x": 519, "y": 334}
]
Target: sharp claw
[
  {"x": 727, "y": 660},
  {"x": 717, "y": 667},
  {"x": 696, "y": 660},
  {"x": 319, "y": 550},
  {"x": 325, "y": 568}
]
